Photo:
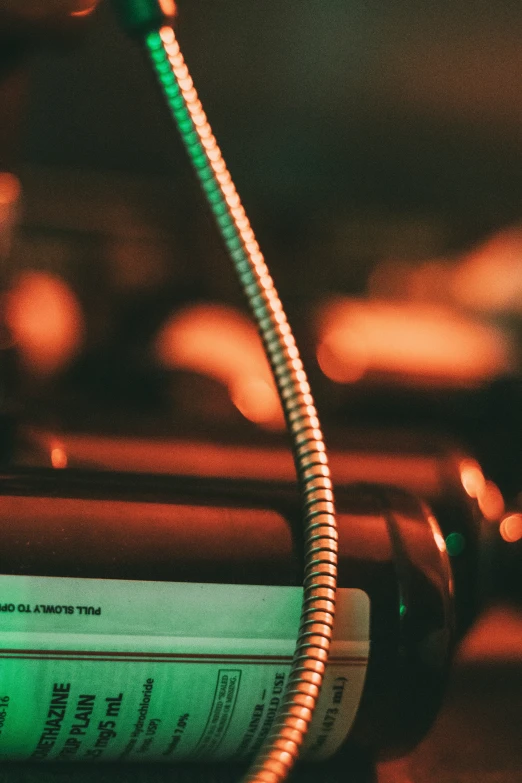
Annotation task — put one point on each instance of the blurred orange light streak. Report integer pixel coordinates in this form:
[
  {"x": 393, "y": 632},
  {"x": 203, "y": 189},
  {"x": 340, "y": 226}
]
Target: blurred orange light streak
[
  {"x": 168, "y": 7},
  {"x": 415, "y": 340},
  {"x": 221, "y": 343},
  {"x": 255, "y": 398},
  {"x": 418, "y": 474},
  {"x": 489, "y": 278},
  {"x": 439, "y": 540},
  {"x": 85, "y": 12}
]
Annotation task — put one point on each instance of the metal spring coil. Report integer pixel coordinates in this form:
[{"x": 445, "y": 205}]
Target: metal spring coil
[{"x": 281, "y": 748}]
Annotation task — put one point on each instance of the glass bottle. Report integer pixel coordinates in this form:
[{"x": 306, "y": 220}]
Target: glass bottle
[{"x": 79, "y": 525}]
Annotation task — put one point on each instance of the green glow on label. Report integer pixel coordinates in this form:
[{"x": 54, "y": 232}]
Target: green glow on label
[
  {"x": 161, "y": 671},
  {"x": 402, "y": 609},
  {"x": 455, "y": 544}
]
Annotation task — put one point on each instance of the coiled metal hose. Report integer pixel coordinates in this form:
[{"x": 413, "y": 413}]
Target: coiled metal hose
[{"x": 281, "y": 748}]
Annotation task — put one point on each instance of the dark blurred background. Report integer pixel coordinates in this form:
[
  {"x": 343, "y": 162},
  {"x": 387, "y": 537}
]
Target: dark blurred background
[
  {"x": 323, "y": 109},
  {"x": 378, "y": 152}
]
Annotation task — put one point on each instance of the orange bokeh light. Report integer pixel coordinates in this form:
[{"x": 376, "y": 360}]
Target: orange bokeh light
[
  {"x": 46, "y": 320},
  {"x": 487, "y": 494},
  {"x": 58, "y": 457},
  {"x": 168, "y": 7},
  {"x": 489, "y": 278},
  {"x": 336, "y": 364},
  {"x": 511, "y": 528},
  {"x": 491, "y": 502},
  {"x": 420, "y": 342},
  {"x": 472, "y": 478},
  {"x": 221, "y": 343}
]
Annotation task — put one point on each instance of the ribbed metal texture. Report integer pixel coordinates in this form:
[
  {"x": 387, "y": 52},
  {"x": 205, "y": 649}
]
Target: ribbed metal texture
[{"x": 281, "y": 748}]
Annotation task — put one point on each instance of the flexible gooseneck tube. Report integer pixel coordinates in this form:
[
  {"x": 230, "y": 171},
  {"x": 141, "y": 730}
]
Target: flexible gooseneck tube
[{"x": 281, "y": 748}]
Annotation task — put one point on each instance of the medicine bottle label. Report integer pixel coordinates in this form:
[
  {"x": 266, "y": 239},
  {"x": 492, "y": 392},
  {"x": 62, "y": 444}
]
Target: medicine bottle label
[{"x": 107, "y": 670}]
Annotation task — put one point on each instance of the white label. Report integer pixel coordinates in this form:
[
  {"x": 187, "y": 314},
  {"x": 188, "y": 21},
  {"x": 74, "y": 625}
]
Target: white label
[{"x": 102, "y": 669}]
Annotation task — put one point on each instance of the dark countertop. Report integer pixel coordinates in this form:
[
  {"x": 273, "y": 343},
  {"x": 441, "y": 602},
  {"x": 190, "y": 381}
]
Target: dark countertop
[{"x": 476, "y": 738}]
